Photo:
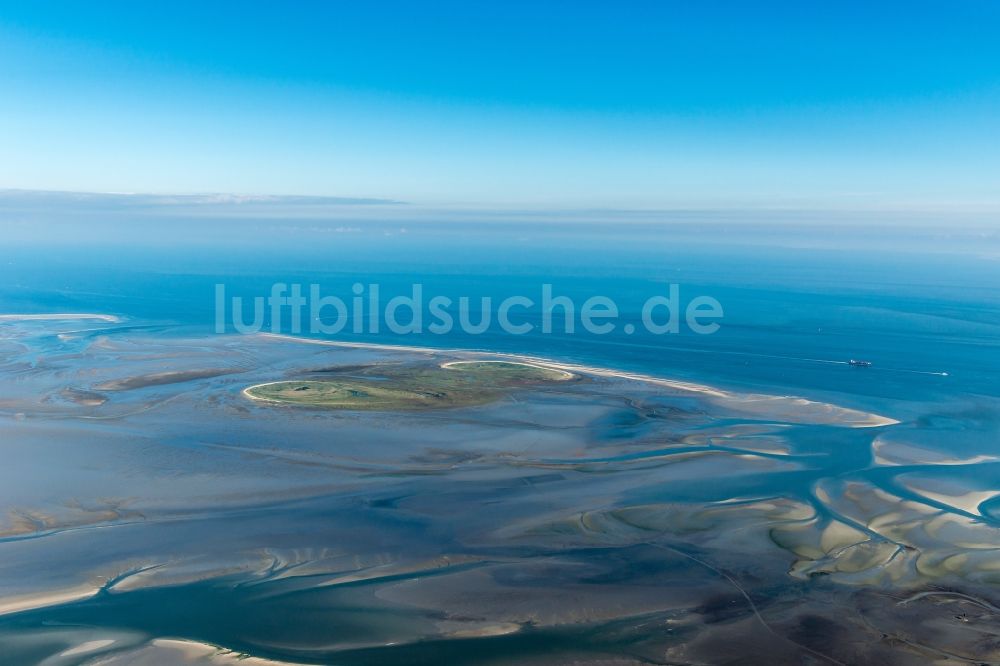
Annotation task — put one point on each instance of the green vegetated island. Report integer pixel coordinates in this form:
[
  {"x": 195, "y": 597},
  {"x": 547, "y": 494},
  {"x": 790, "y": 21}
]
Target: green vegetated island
[{"x": 385, "y": 387}]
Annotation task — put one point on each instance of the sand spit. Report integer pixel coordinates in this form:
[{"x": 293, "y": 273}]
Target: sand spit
[
  {"x": 563, "y": 375},
  {"x": 61, "y": 316},
  {"x": 176, "y": 651},
  {"x": 161, "y": 378},
  {"x": 33, "y": 601},
  {"x": 964, "y": 500},
  {"x": 791, "y": 408},
  {"x": 895, "y": 453}
]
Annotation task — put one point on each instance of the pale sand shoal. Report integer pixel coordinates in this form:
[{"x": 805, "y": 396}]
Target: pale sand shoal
[
  {"x": 753, "y": 403},
  {"x": 60, "y": 316},
  {"x": 42, "y": 600}
]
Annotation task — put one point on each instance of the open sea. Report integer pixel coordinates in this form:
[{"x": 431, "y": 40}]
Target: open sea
[{"x": 799, "y": 303}]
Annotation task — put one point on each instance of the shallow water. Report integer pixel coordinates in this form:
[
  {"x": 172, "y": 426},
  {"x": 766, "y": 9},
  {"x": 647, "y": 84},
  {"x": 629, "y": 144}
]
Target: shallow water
[{"x": 610, "y": 519}]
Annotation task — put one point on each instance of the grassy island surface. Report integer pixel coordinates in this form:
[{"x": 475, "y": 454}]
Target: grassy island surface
[{"x": 388, "y": 388}]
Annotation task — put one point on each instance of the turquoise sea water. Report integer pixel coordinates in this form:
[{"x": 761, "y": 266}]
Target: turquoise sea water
[
  {"x": 793, "y": 299},
  {"x": 923, "y": 307}
]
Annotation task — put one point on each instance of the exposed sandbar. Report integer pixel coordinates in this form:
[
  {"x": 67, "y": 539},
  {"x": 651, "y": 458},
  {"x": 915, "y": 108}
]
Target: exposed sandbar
[
  {"x": 161, "y": 378},
  {"x": 33, "y": 601},
  {"x": 60, "y": 316},
  {"x": 83, "y": 397},
  {"x": 783, "y": 407}
]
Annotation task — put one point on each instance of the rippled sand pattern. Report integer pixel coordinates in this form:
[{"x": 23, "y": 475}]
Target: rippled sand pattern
[{"x": 154, "y": 513}]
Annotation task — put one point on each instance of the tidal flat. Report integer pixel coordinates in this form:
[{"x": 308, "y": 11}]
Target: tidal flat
[{"x": 425, "y": 506}]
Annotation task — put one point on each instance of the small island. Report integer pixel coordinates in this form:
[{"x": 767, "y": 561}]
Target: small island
[{"x": 382, "y": 387}]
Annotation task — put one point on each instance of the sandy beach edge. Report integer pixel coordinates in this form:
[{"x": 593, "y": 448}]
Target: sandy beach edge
[
  {"x": 61, "y": 316},
  {"x": 748, "y": 402}
]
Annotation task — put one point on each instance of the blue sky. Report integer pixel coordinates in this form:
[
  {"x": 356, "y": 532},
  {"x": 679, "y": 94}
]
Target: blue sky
[{"x": 562, "y": 104}]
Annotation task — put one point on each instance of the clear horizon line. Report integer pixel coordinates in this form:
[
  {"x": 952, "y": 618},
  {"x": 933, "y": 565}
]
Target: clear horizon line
[{"x": 221, "y": 200}]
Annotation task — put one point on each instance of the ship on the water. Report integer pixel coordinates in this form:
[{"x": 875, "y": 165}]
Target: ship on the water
[{"x": 858, "y": 363}]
